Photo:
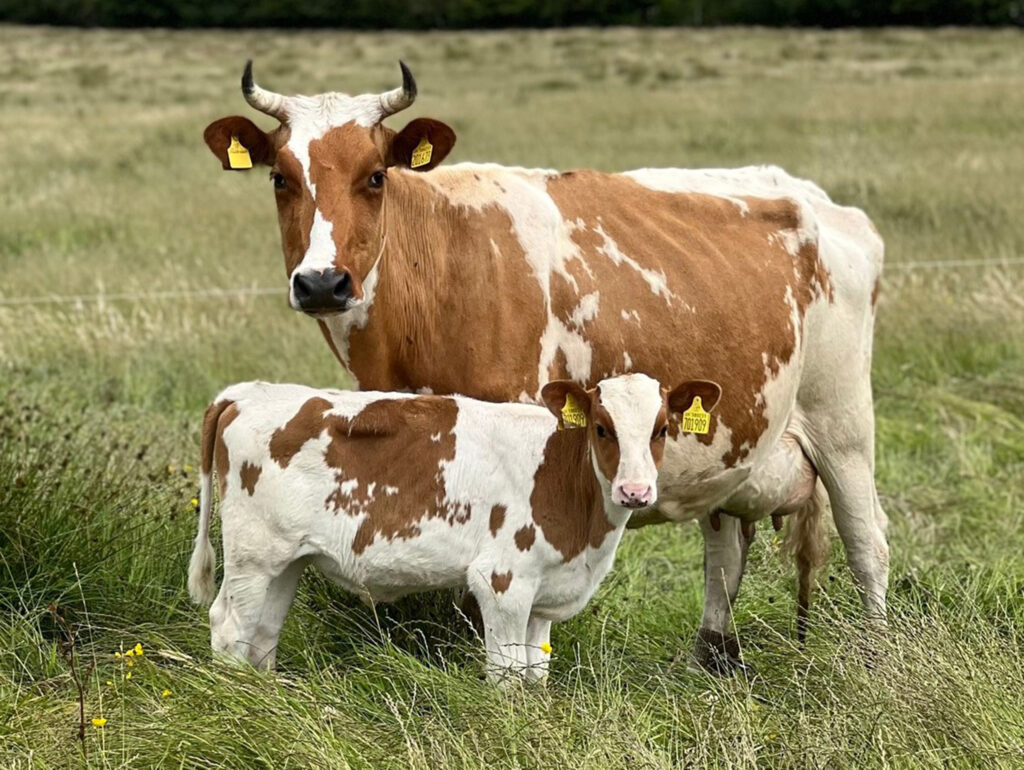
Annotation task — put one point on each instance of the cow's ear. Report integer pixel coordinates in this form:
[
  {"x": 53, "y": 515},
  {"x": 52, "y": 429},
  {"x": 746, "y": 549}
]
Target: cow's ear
[
  {"x": 557, "y": 392},
  {"x": 681, "y": 397},
  {"x": 421, "y": 145},
  {"x": 258, "y": 145}
]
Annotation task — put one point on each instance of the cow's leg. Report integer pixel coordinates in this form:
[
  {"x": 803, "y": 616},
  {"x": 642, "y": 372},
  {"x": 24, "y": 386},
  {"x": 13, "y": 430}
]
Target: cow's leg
[
  {"x": 247, "y": 616},
  {"x": 505, "y": 609},
  {"x": 849, "y": 478},
  {"x": 538, "y": 639},
  {"x": 725, "y": 555}
]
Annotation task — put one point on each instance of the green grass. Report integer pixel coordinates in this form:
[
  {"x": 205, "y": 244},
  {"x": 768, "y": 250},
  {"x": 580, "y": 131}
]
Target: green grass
[{"x": 108, "y": 188}]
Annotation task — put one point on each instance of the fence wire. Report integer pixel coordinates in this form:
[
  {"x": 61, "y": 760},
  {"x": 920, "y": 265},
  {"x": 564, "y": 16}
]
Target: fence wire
[{"x": 260, "y": 291}]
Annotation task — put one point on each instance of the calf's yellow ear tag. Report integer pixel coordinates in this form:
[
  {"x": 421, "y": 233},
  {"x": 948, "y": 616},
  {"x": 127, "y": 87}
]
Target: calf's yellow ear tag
[
  {"x": 421, "y": 155},
  {"x": 238, "y": 156},
  {"x": 572, "y": 415},
  {"x": 695, "y": 419}
]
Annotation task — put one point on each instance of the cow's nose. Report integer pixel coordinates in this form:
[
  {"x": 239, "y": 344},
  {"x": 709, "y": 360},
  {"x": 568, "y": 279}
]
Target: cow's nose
[
  {"x": 635, "y": 495},
  {"x": 317, "y": 292}
]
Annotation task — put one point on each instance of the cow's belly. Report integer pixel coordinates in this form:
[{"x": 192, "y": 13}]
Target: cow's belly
[{"x": 781, "y": 484}]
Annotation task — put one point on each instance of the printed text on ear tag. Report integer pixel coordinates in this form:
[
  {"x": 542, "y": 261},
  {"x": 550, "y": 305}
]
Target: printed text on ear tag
[
  {"x": 421, "y": 155},
  {"x": 572, "y": 415},
  {"x": 238, "y": 156},
  {"x": 695, "y": 419}
]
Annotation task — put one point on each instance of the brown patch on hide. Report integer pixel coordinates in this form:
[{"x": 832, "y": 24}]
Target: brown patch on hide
[
  {"x": 525, "y": 536},
  {"x": 500, "y": 581},
  {"x": 567, "y": 502},
  {"x": 497, "y": 519},
  {"x": 220, "y": 452},
  {"x": 250, "y": 474}
]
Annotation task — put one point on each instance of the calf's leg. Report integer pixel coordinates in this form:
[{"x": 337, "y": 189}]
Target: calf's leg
[
  {"x": 538, "y": 638},
  {"x": 505, "y": 608},
  {"x": 247, "y": 616}
]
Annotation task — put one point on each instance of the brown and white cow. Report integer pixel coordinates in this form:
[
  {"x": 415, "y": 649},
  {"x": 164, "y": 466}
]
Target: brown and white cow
[
  {"x": 491, "y": 281},
  {"x": 390, "y": 493}
]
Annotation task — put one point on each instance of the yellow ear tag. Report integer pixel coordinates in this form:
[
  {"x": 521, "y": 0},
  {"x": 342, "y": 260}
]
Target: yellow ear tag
[
  {"x": 695, "y": 419},
  {"x": 421, "y": 155},
  {"x": 238, "y": 156},
  {"x": 572, "y": 415}
]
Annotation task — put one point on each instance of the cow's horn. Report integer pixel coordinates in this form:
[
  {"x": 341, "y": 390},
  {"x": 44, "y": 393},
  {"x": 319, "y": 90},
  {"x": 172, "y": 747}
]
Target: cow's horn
[
  {"x": 273, "y": 104},
  {"x": 400, "y": 98}
]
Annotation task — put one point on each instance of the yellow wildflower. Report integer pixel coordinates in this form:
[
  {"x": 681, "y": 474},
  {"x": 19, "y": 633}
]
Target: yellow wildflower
[
  {"x": 98, "y": 721},
  {"x": 545, "y": 648},
  {"x": 194, "y": 502},
  {"x": 117, "y": 655},
  {"x": 128, "y": 675},
  {"x": 138, "y": 649},
  {"x": 129, "y": 662},
  {"x": 188, "y": 468},
  {"x": 171, "y": 468},
  {"x": 110, "y": 683},
  {"x": 165, "y": 694}
]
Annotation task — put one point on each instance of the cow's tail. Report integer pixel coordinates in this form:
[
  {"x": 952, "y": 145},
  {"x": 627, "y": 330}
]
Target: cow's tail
[
  {"x": 807, "y": 543},
  {"x": 202, "y": 584}
]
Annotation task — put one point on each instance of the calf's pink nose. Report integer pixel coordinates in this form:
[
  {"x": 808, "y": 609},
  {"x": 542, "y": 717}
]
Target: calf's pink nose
[{"x": 635, "y": 495}]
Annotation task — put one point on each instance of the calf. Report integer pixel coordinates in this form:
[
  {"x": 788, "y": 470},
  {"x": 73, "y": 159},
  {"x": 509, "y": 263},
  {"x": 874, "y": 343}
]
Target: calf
[{"x": 392, "y": 493}]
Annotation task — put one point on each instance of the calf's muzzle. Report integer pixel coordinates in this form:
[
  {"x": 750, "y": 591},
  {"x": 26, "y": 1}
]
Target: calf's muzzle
[{"x": 322, "y": 292}]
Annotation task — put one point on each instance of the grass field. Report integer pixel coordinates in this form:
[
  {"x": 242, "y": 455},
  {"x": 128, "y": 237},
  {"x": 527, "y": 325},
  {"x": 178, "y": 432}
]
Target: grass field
[{"x": 108, "y": 188}]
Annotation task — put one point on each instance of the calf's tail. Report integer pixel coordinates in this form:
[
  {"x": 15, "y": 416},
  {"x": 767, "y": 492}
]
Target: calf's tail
[
  {"x": 807, "y": 543},
  {"x": 202, "y": 584}
]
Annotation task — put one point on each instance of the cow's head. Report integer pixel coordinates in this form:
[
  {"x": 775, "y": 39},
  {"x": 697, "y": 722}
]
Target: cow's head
[
  {"x": 329, "y": 161},
  {"x": 627, "y": 419}
]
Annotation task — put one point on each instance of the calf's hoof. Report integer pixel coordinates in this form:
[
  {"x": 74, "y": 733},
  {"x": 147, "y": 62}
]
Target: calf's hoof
[{"x": 718, "y": 654}]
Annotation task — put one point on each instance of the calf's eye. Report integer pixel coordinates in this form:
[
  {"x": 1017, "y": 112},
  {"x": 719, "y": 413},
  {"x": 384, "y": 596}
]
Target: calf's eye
[
  {"x": 376, "y": 180},
  {"x": 279, "y": 181},
  {"x": 663, "y": 432}
]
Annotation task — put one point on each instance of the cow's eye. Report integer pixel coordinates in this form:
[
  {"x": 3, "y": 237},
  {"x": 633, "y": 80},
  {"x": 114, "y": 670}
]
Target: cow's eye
[
  {"x": 601, "y": 432},
  {"x": 279, "y": 181},
  {"x": 663, "y": 432},
  {"x": 376, "y": 180}
]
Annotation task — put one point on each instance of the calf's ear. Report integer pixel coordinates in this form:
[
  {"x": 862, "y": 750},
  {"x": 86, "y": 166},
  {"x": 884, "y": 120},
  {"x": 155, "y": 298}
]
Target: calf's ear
[
  {"x": 421, "y": 145},
  {"x": 256, "y": 142},
  {"x": 557, "y": 392},
  {"x": 681, "y": 397}
]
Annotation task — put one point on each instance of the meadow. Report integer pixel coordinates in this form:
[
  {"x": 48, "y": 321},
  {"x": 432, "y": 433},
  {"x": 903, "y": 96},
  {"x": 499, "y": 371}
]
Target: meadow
[{"x": 109, "y": 190}]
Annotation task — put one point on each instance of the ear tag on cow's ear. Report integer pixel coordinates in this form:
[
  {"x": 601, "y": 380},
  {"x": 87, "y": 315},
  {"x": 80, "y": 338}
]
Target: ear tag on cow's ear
[
  {"x": 238, "y": 156},
  {"x": 421, "y": 155},
  {"x": 572, "y": 415},
  {"x": 695, "y": 419}
]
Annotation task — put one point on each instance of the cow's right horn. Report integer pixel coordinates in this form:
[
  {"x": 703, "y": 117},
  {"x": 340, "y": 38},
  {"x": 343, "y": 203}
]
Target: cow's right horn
[
  {"x": 399, "y": 98},
  {"x": 273, "y": 104}
]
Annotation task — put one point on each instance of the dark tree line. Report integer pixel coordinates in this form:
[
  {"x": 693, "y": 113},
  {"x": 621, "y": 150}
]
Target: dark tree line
[{"x": 461, "y": 14}]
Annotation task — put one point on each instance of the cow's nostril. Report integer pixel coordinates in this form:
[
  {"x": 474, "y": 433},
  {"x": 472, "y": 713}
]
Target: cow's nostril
[
  {"x": 343, "y": 288},
  {"x": 302, "y": 287}
]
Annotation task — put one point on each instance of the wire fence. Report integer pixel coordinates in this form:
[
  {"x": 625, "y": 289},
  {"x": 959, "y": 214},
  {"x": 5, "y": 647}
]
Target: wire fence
[{"x": 259, "y": 291}]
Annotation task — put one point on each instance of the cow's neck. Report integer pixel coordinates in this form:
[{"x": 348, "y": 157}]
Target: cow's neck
[{"x": 383, "y": 342}]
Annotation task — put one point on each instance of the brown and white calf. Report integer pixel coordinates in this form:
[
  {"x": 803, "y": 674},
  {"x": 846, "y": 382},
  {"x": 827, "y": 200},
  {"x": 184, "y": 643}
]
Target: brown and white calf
[
  {"x": 491, "y": 281},
  {"x": 390, "y": 493}
]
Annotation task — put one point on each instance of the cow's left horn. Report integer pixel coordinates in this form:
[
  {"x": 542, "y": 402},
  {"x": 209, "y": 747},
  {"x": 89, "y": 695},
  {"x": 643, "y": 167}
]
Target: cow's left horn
[
  {"x": 400, "y": 98},
  {"x": 273, "y": 104}
]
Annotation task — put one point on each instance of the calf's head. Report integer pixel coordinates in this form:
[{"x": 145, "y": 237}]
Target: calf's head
[
  {"x": 329, "y": 159},
  {"x": 627, "y": 421}
]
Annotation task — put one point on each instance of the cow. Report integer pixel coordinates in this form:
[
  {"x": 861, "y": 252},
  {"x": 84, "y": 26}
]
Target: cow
[
  {"x": 492, "y": 281},
  {"x": 392, "y": 493}
]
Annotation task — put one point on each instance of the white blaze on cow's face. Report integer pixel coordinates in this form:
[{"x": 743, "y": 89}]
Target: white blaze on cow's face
[
  {"x": 629, "y": 428},
  {"x": 329, "y": 162}
]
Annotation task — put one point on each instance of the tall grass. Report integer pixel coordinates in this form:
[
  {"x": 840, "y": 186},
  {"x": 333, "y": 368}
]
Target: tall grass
[{"x": 108, "y": 189}]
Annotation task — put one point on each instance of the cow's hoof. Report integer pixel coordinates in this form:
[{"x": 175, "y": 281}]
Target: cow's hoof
[{"x": 719, "y": 654}]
